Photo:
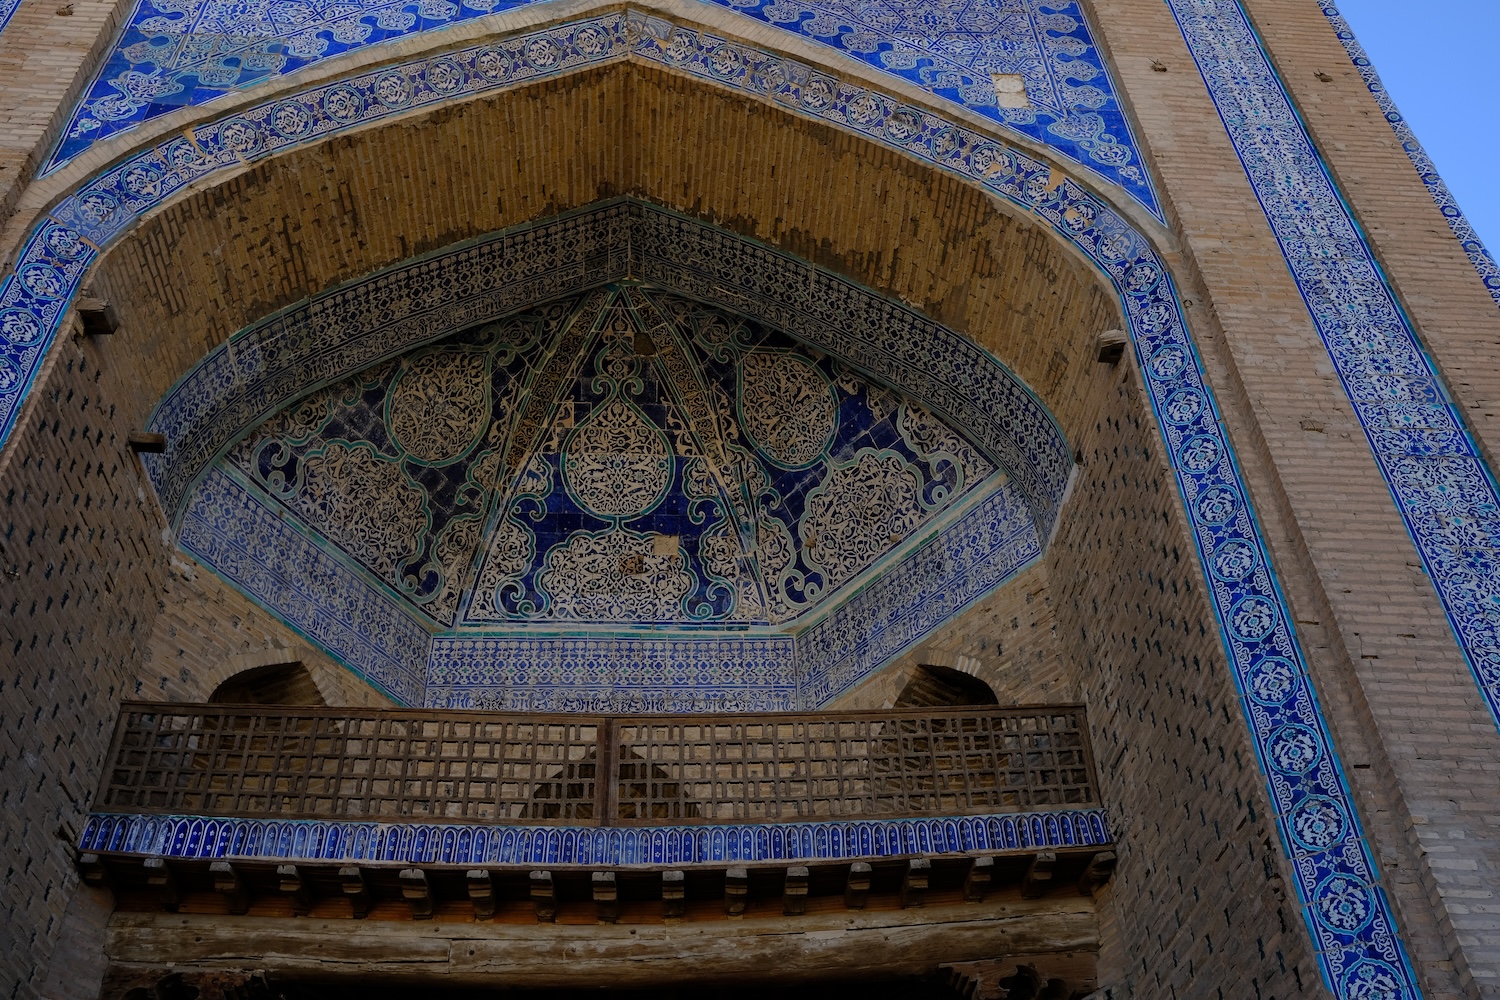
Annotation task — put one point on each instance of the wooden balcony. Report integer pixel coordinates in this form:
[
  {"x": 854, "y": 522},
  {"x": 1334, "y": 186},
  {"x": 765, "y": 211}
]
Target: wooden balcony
[{"x": 423, "y": 805}]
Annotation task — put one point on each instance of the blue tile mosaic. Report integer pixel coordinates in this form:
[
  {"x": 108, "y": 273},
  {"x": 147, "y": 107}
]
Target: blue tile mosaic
[
  {"x": 177, "y": 53},
  {"x": 240, "y": 537},
  {"x": 1445, "y": 492},
  {"x": 1474, "y": 248},
  {"x": 1347, "y": 913},
  {"x": 7, "y": 9},
  {"x": 200, "y": 837}
]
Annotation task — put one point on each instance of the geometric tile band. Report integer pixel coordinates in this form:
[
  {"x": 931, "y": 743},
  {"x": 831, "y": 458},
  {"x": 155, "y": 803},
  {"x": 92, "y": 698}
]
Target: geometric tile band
[
  {"x": 1347, "y": 914},
  {"x": 1482, "y": 259},
  {"x": 202, "y": 837},
  {"x": 1441, "y": 484},
  {"x": 177, "y": 53}
]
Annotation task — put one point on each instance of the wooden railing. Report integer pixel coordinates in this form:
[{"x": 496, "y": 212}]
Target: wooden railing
[{"x": 424, "y": 765}]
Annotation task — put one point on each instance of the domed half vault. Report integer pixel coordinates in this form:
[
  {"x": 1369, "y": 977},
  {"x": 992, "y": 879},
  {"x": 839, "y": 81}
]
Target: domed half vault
[{"x": 623, "y": 497}]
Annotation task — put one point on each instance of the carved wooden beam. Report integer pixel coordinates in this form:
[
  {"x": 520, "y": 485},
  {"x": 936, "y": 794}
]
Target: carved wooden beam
[
  {"x": 1100, "y": 867},
  {"x": 914, "y": 884},
  {"x": 606, "y": 897},
  {"x": 160, "y": 878},
  {"x": 352, "y": 880},
  {"x": 673, "y": 895},
  {"x": 417, "y": 892},
  {"x": 227, "y": 883},
  {"x": 977, "y": 881},
  {"x": 1039, "y": 876},
  {"x": 295, "y": 886},
  {"x": 544, "y": 897},
  {"x": 857, "y": 889},
  {"x": 736, "y": 891},
  {"x": 481, "y": 893},
  {"x": 794, "y": 893}
]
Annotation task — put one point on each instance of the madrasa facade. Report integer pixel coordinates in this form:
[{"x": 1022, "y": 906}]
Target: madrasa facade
[{"x": 662, "y": 498}]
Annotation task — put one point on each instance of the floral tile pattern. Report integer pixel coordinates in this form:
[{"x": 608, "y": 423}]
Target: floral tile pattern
[{"x": 1028, "y": 65}]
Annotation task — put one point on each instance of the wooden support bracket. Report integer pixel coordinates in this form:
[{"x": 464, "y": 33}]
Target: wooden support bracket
[
  {"x": 736, "y": 891},
  {"x": 160, "y": 878},
  {"x": 606, "y": 897},
  {"x": 94, "y": 871},
  {"x": 97, "y": 316},
  {"x": 857, "y": 889},
  {"x": 227, "y": 883},
  {"x": 1100, "y": 867},
  {"x": 544, "y": 897},
  {"x": 794, "y": 894},
  {"x": 977, "y": 881},
  {"x": 417, "y": 892},
  {"x": 1039, "y": 876},
  {"x": 294, "y": 886},
  {"x": 352, "y": 880},
  {"x": 673, "y": 895},
  {"x": 481, "y": 893},
  {"x": 914, "y": 884}
]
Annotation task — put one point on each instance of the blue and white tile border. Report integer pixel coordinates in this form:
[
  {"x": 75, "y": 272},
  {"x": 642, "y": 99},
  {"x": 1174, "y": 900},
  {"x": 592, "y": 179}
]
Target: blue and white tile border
[
  {"x": 1473, "y": 246},
  {"x": 1348, "y": 916},
  {"x": 1442, "y": 487},
  {"x": 202, "y": 838}
]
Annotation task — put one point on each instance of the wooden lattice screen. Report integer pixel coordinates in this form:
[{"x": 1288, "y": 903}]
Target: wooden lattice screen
[{"x": 420, "y": 765}]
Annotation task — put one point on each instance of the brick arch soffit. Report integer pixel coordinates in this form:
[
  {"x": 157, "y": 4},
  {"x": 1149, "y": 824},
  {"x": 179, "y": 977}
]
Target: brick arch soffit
[
  {"x": 1319, "y": 827},
  {"x": 270, "y": 364}
]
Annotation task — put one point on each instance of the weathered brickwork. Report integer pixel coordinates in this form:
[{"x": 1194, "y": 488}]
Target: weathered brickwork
[
  {"x": 1400, "y": 697},
  {"x": 1202, "y": 907}
]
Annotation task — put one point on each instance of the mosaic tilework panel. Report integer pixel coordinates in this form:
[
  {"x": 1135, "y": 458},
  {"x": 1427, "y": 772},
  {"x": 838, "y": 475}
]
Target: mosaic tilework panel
[
  {"x": 614, "y": 674},
  {"x": 335, "y": 335},
  {"x": 232, "y": 531},
  {"x": 1439, "y": 482},
  {"x": 1028, "y": 65},
  {"x": 1445, "y": 492},
  {"x": 7, "y": 8},
  {"x": 411, "y": 843},
  {"x": 950, "y": 572},
  {"x": 1479, "y": 256},
  {"x": 1319, "y": 828}
]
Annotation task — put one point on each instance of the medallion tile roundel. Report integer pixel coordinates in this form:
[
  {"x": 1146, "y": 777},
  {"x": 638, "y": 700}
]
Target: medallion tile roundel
[
  {"x": 439, "y": 405},
  {"x": 789, "y": 409}
]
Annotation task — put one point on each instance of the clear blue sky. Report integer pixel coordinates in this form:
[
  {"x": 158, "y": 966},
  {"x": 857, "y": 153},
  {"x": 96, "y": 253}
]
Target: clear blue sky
[{"x": 1438, "y": 61}]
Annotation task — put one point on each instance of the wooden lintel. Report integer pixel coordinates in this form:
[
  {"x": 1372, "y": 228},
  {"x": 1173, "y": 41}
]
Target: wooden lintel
[
  {"x": 673, "y": 894},
  {"x": 977, "y": 881},
  {"x": 914, "y": 884},
  {"x": 352, "y": 881},
  {"x": 794, "y": 893},
  {"x": 416, "y": 892},
  {"x": 543, "y": 897},
  {"x": 736, "y": 891},
  {"x": 294, "y": 886},
  {"x": 147, "y": 443},
  {"x": 1039, "y": 876},
  {"x": 857, "y": 888},
  {"x": 481, "y": 893},
  {"x": 606, "y": 897},
  {"x": 229, "y": 884},
  {"x": 1100, "y": 867},
  {"x": 160, "y": 878}
]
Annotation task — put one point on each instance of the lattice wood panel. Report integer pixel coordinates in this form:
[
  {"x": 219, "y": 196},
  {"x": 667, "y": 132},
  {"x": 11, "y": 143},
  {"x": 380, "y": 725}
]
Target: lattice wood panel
[{"x": 335, "y": 763}]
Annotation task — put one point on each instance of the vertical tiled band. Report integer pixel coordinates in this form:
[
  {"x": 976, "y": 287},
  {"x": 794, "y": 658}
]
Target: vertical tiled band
[
  {"x": 1348, "y": 915},
  {"x": 1442, "y": 487},
  {"x": 1473, "y": 246}
]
